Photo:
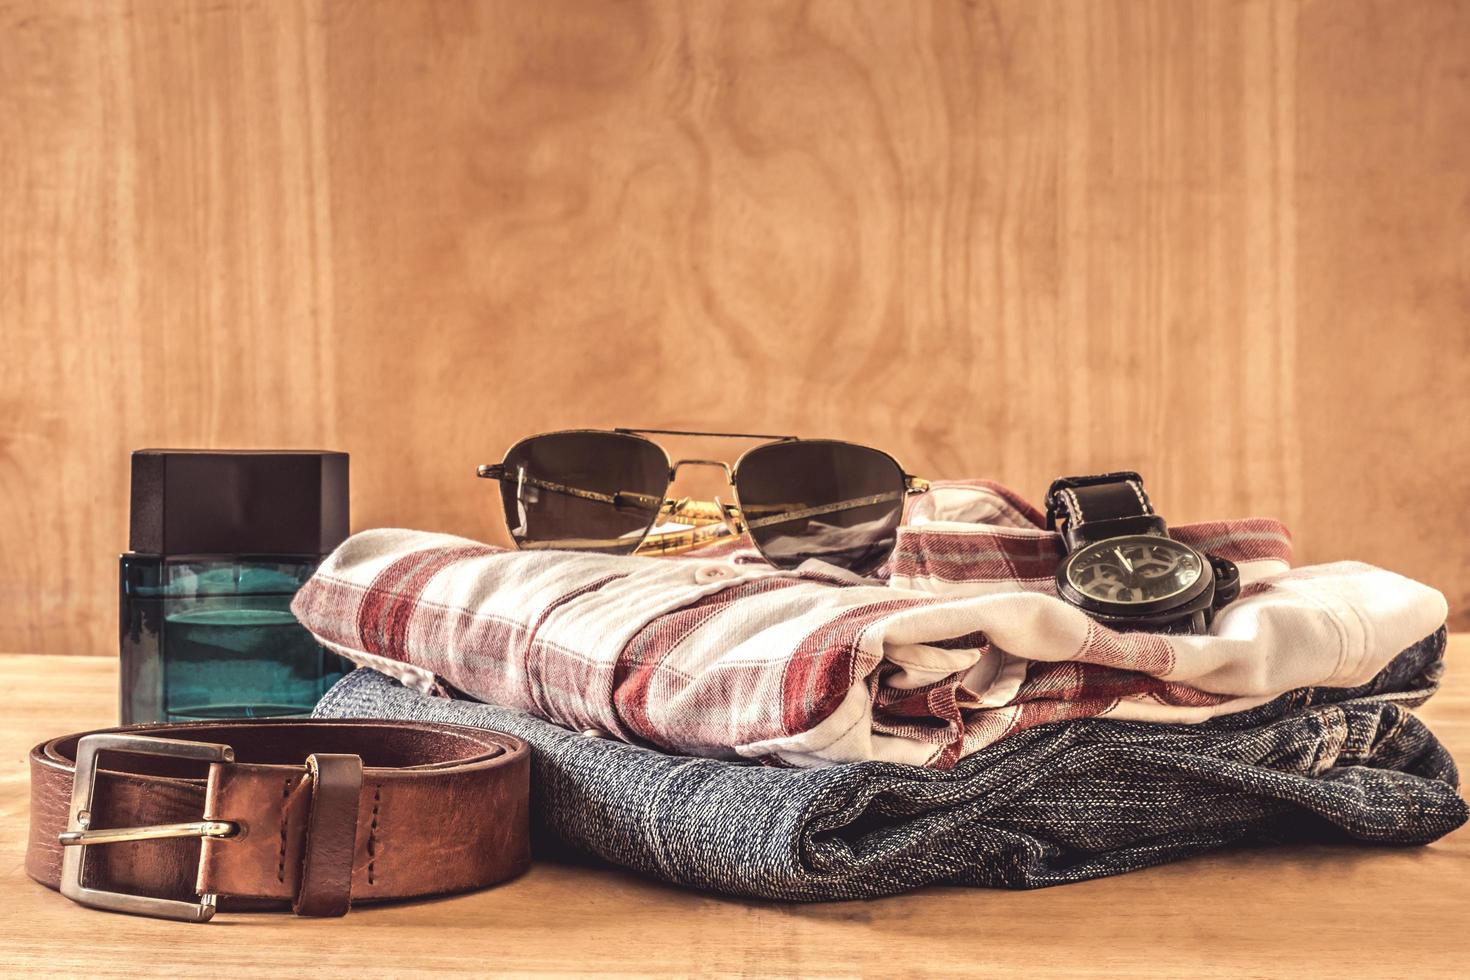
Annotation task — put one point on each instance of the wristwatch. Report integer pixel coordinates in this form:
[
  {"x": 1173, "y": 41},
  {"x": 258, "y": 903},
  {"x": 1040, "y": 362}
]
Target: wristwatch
[{"x": 1123, "y": 569}]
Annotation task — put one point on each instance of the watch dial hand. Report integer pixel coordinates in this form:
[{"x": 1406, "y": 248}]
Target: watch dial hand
[{"x": 1126, "y": 563}]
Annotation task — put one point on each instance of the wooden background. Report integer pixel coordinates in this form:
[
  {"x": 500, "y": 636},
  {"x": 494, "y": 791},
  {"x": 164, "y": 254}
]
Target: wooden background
[{"x": 1225, "y": 243}]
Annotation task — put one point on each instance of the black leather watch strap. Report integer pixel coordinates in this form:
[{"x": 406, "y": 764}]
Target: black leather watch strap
[{"x": 1106, "y": 505}]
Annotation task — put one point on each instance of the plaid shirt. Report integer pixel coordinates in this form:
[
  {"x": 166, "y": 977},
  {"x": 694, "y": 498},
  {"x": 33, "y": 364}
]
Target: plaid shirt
[{"x": 960, "y": 642}]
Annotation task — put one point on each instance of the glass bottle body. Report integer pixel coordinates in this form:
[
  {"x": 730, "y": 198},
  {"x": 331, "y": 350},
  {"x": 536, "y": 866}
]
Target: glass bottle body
[{"x": 212, "y": 636}]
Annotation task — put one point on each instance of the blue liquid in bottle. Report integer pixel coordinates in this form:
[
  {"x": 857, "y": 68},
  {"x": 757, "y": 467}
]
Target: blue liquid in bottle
[{"x": 207, "y": 637}]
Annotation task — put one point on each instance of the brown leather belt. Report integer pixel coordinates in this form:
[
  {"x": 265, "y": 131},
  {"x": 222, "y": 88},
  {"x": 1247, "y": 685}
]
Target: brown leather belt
[{"x": 261, "y": 814}]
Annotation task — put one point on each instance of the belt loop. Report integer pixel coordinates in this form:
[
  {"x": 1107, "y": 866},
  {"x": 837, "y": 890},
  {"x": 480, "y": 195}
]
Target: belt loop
[{"x": 331, "y": 835}]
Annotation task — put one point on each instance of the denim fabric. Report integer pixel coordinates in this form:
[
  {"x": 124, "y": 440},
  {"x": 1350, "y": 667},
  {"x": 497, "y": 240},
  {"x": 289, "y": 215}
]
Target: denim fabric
[{"x": 1054, "y": 804}]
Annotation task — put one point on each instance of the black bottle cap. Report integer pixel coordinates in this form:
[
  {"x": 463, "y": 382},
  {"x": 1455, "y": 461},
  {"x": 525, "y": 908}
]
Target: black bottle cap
[{"x": 217, "y": 502}]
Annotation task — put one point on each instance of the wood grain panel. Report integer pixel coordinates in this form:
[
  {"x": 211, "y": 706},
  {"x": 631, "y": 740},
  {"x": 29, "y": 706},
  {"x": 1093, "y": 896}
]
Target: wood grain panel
[{"x": 1226, "y": 243}]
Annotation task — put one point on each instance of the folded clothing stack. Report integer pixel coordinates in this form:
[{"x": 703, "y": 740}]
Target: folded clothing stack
[
  {"x": 955, "y": 722},
  {"x": 966, "y": 644},
  {"x": 1056, "y": 803}
]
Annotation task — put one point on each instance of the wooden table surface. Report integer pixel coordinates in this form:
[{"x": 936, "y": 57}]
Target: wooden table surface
[{"x": 1301, "y": 911}]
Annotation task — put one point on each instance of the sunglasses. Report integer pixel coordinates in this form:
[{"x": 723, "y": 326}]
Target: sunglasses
[{"x": 798, "y": 499}]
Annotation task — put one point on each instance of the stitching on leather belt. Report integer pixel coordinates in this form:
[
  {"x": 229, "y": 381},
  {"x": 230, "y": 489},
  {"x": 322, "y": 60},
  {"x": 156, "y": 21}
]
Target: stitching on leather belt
[
  {"x": 281, "y": 864},
  {"x": 192, "y": 811},
  {"x": 373, "y": 831}
]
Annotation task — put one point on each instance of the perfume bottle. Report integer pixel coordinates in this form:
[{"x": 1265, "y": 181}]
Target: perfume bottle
[{"x": 219, "y": 544}]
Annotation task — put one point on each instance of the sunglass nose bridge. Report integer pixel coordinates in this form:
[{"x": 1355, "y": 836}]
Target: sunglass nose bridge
[{"x": 674, "y": 470}]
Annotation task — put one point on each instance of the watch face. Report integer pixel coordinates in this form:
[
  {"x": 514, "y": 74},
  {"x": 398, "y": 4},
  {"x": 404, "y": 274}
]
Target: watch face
[{"x": 1136, "y": 569}]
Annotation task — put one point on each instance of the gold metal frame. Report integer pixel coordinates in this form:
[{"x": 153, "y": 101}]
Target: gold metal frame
[{"x": 711, "y": 521}]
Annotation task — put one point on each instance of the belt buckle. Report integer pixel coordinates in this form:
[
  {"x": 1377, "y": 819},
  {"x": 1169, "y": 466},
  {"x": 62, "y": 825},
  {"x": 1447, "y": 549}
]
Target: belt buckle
[{"x": 79, "y": 835}]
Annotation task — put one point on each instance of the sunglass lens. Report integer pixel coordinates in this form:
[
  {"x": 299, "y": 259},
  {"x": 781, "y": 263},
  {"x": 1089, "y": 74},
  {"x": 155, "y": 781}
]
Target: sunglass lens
[
  {"x": 583, "y": 491},
  {"x": 832, "y": 501}
]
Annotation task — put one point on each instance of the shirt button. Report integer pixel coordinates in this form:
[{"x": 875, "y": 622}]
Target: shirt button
[{"x": 713, "y": 573}]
